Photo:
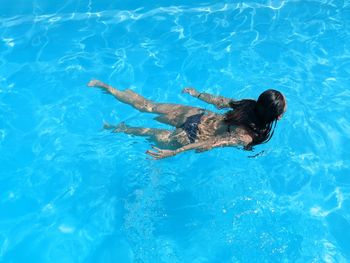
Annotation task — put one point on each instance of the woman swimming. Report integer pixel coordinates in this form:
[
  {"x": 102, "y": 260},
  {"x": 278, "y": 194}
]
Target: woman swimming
[{"x": 247, "y": 123}]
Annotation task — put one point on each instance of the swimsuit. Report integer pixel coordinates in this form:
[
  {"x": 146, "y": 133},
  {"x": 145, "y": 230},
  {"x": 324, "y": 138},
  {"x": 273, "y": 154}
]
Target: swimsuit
[{"x": 191, "y": 126}]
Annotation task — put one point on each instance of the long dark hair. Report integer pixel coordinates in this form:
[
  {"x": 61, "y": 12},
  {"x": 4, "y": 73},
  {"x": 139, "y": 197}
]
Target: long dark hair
[{"x": 258, "y": 117}]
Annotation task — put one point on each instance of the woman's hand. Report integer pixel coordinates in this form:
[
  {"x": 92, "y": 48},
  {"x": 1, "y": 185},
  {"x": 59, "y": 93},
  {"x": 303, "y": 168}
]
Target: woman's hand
[
  {"x": 190, "y": 91},
  {"x": 159, "y": 153}
]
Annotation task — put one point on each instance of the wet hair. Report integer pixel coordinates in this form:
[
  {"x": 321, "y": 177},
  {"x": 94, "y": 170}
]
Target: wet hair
[{"x": 258, "y": 117}]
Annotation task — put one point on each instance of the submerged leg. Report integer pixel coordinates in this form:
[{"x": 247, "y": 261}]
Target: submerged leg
[
  {"x": 157, "y": 135},
  {"x": 173, "y": 114}
]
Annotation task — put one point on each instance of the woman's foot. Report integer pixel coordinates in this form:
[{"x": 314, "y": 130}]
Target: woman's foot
[
  {"x": 121, "y": 127},
  {"x": 97, "y": 83},
  {"x": 106, "y": 88}
]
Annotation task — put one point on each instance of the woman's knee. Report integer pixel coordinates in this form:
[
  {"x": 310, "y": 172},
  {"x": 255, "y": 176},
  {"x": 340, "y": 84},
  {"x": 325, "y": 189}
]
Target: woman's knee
[
  {"x": 163, "y": 136},
  {"x": 145, "y": 106}
]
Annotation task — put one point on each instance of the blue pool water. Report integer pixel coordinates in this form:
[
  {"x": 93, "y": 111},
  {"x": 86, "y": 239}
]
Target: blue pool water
[{"x": 72, "y": 192}]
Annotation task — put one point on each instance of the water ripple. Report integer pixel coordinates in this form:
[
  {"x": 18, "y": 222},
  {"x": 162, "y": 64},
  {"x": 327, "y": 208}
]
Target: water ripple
[{"x": 76, "y": 192}]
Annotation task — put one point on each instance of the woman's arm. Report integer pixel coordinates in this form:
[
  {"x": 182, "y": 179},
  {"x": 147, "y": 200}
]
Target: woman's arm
[
  {"x": 218, "y": 101},
  {"x": 222, "y": 141},
  {"x": 160, "y": 153}
]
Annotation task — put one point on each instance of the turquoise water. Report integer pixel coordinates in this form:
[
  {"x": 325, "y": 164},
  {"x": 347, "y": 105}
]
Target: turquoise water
[{"x": 72, "y": 192}]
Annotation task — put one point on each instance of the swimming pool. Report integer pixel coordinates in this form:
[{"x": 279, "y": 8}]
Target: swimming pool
[{"x": 71, "y": 192}]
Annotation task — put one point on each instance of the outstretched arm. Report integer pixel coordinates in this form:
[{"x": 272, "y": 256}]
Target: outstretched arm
[
  {"x": 160, "y": 153},
  {"x": 221, "y": 141},
  {"x": 218, "y": 101}
]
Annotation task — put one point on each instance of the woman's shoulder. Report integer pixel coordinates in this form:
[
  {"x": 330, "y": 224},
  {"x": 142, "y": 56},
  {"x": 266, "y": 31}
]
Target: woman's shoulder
[
  {"x": 242, "y": 134},
  {"x": 242, "y": 103}
]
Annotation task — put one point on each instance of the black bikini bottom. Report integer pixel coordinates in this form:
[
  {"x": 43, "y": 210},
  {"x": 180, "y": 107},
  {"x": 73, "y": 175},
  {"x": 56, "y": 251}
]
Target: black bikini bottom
[{"x": 191, "y": 126}]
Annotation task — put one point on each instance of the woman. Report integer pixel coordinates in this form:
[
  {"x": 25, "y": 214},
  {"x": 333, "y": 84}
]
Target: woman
[{"x": 247, "y": 123}]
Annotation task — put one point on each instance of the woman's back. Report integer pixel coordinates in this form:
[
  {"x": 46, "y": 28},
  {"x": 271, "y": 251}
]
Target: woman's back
[{"x": 213, "y": 125}]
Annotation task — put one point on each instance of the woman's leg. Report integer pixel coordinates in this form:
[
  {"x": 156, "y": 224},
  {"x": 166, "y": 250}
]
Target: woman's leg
[
  {"x": 160, "y": 136},
  {"x": 127, "y": 96},
  {"x": 173, "y": 114}
]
